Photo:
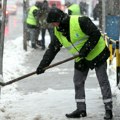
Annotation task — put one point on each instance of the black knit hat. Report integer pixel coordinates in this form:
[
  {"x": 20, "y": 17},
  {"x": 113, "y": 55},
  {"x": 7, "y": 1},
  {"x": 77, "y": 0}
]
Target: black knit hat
[{"x": 55, "y": 15}]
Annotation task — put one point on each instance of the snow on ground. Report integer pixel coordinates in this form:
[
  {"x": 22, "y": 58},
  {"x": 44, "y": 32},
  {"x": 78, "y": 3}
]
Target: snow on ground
[{"x": 47, "y": 105}]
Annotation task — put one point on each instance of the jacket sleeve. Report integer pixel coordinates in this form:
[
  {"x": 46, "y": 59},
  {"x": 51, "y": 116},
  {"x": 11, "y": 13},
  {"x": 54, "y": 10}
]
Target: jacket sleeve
[
  {"x": 53, "y": 49},
  {"x": 90, "y": 29}
]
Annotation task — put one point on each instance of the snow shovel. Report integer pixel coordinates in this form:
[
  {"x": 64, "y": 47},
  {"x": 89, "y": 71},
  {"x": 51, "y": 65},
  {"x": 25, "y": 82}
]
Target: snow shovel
[{"x": 32, "y": 73}]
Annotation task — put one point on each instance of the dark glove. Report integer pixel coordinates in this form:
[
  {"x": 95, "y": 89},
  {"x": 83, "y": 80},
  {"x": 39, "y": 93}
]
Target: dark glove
[{"x": 40, "y": 70}]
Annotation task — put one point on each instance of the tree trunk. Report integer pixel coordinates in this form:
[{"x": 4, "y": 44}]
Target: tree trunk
[
  {"x": 2, "y": 29},
  {"x": 25, "y": 33}
]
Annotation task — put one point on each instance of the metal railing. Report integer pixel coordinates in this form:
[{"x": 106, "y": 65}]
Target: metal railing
[{"x": 114, "y": 52}]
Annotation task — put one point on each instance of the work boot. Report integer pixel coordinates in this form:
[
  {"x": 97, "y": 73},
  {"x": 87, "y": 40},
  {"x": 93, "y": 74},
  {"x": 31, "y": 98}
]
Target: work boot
[
  {"x": 76, "y": 114},
  {"x": 108, "y": 115}
]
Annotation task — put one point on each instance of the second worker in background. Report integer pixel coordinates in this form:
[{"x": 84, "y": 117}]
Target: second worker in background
[
  {"x": 32, "y": 21},
  {"x": 44, "y": 25}
]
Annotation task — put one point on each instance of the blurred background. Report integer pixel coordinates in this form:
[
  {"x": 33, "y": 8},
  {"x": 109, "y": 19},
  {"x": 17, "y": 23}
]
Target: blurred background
[{"x": 104, "y": 13}]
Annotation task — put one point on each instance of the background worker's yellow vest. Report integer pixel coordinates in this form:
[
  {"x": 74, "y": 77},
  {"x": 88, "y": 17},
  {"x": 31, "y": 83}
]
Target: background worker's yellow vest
[
  {"x": 78, "y": 39},
  {"x": 31, "y": 19},
  {"x": 75, "y": 9}
]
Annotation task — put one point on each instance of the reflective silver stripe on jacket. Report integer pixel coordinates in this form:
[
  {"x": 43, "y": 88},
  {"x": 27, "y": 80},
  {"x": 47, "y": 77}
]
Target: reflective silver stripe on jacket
[
  {"x": 80, "y": 100},
  {"x": 107, "y": 100},
  {"x": 76, "y": 43}
]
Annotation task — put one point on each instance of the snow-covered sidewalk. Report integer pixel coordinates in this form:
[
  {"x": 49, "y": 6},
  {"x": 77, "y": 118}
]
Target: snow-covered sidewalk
[{"x": 50, "y": 104}]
